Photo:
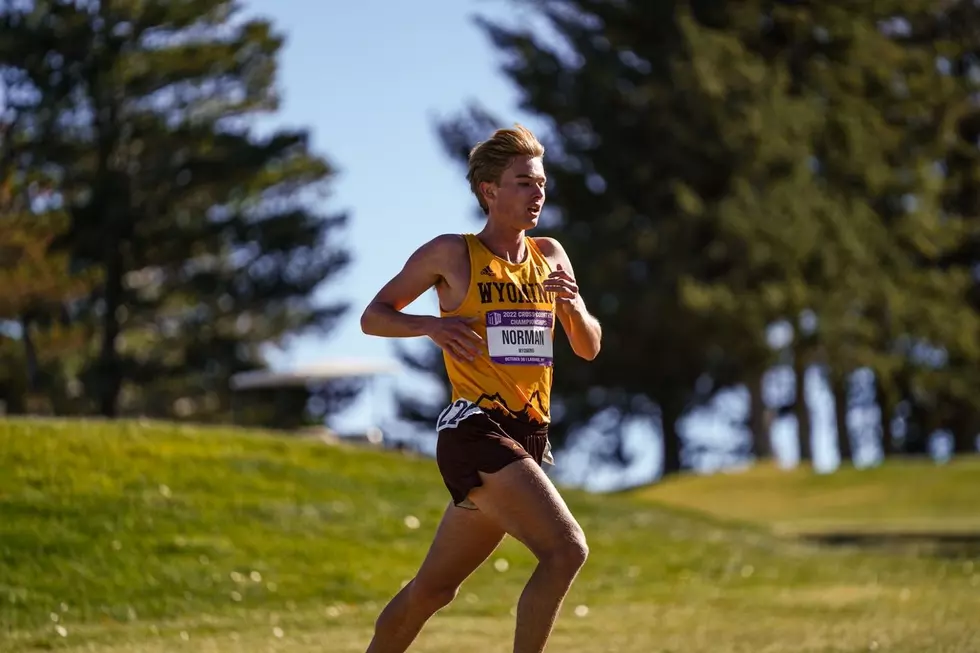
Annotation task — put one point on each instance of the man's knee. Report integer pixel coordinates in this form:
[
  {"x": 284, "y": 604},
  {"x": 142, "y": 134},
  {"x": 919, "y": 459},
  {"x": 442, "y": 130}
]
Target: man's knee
[
  {"x": 432, "y": 597},
  {"x": 569, "y": 555}
]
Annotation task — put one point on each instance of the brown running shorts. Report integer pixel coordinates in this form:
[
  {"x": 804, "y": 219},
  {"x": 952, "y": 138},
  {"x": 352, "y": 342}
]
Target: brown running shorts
[{"x": 486, "y": 443}]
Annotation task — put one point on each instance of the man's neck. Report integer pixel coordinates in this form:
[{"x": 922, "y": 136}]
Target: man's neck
[{"x": 506, "y": 243}]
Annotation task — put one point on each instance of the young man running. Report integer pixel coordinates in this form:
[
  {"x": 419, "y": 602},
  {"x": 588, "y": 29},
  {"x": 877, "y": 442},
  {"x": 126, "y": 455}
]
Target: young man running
[{"x": 499, "y": 293}]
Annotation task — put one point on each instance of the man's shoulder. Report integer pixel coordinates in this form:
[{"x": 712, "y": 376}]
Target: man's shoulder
[
  {"x": 450, "y": 242},
  {"x": 549, "y": 246},
  {"x": 444, "y": 245}
]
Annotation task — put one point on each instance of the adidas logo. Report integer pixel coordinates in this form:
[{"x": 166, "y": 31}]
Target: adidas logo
[{"x": 487, "y": 272}]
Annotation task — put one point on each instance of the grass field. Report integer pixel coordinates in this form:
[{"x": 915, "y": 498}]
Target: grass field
[
  {"x": 908, "y": 496},
  {"x": 162, "y": 538}
]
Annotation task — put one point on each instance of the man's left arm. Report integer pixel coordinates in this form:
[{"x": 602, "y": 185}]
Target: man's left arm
[{"x": 583, "y": 329}]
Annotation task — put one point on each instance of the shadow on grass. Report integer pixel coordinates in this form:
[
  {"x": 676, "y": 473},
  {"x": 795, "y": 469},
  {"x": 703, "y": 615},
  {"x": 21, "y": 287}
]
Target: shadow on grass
[{"x": 928, "y": 543}]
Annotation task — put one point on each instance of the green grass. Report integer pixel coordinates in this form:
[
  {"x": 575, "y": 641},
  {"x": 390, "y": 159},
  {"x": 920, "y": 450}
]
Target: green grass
[
  {"x": 145, "y": 538},
  {"x": 902, "y": 495}
]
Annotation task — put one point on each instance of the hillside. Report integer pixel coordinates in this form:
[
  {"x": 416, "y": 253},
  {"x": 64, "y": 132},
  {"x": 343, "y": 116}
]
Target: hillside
[
  {"x": 912, "y": 496},
  {"x": 138, "y": 538}
]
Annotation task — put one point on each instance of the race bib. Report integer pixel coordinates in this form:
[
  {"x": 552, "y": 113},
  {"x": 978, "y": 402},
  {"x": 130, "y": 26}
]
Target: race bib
[
  {"x": 455, "y": 413},
  {"x": 520, "y": 337}
]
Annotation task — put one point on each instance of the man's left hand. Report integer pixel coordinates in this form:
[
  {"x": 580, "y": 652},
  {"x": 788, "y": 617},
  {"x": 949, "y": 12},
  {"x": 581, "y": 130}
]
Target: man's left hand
[{"x": 563, "y": 286}]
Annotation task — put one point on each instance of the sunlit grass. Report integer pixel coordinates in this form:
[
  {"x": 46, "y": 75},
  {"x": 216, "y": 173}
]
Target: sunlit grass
[
  {"x": 163, "y": 538},
  {"x": 902, "y": 495}
]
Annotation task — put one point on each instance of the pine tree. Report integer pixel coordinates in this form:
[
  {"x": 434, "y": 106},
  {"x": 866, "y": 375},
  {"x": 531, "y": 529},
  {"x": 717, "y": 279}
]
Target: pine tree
[
  {"x": 951, "y": 37},
  {"x": 645, "y": 150},
  {"x": 892, "y": 115},
  {"x": 721, "y": 168},
  {"x": 37, "y": 289},
  {"x": 205, "y": 235}
]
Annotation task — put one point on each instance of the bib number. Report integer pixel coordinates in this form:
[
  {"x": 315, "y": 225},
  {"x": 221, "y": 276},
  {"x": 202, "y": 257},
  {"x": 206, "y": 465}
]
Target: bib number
[
  {"x": 455, "y": 413},
  {"x": 521, "y": 337}
]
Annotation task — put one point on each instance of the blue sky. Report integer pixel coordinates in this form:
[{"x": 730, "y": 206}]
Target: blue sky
[{"x": 370, "y": 79}]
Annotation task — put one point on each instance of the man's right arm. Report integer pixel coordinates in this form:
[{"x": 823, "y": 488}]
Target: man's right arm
[
  {"x": 383, "y": 316},
  {"x": 424, "y": 268}
]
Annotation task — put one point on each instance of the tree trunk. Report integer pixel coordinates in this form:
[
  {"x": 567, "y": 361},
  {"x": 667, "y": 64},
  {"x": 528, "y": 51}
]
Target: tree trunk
[
  {"x": 110, "y": 372},
  {"x": 801, "y": 409},
  {"x": 758, "y": 419},
  {"x": 965, "y": 426},
  {"x": 965, "y": 443},
  {"x": 107, "y": 203},
  {"x": 30, "y": 355},
  {"x": 671, "y": 442},
  {"x": 886, "y": 407},
  {"x": 838, "y": 385}
]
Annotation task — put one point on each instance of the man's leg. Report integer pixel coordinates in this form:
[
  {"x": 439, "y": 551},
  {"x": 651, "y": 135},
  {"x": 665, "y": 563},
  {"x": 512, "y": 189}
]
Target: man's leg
[
  {"x": 524, "y": 502},
  {"x": 463, "y": 541}
]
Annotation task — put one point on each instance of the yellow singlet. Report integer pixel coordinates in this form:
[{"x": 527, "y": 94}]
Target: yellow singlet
[{"x": 516, "y": 318}]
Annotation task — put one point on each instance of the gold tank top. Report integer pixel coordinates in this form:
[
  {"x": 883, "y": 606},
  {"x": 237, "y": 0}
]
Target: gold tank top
[{"x": 514, "y": 315}]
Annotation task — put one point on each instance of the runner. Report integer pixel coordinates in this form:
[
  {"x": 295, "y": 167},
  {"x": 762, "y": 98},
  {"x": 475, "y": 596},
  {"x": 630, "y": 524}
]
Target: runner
[{"x": 499, "y": 294}]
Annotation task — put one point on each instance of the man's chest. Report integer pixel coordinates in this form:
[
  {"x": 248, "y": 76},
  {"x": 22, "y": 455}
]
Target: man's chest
[
  {"x": 496, "y": 285},
  {"x": 517, "y": 316},
  {"x": 511, "y": 291}
]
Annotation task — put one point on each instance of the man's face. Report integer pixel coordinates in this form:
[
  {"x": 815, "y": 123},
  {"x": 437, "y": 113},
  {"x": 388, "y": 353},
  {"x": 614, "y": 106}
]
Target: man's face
[{"x": 519, "y": 197}]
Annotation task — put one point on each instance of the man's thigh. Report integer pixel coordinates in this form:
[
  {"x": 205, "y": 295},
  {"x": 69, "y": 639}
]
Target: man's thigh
[
  {"x": 523, "y": 501},
  {"x": 463, "y": 541}
]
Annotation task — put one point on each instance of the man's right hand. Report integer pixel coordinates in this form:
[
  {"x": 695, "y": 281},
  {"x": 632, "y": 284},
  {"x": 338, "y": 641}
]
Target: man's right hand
[{"x": 455, "y": 337}]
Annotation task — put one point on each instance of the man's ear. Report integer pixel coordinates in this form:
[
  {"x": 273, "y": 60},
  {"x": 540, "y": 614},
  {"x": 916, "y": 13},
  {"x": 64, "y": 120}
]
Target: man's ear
[{"x": 489, "y": 190}]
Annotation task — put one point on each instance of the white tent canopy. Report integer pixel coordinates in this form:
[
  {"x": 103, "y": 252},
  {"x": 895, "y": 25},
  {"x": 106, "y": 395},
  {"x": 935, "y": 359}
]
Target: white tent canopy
[{"x": 313, "y": 373}]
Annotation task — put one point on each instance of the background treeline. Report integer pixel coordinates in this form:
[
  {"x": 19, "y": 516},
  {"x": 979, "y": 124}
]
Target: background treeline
[{"x": 758, "y": 197}]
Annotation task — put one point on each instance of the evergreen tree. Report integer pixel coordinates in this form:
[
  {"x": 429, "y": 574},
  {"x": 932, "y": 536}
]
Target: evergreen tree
[
  {"x": 891, "y": 117},
  {"x": 950, "y": 36},
  {"x": 37, "y": 290},
  {"x": 721, "y": 168},
  {"x": 640, "y": 162},
  {"x": 206, "y": 236}
]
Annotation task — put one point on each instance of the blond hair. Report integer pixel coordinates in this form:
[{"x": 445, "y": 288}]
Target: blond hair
[{"x": 488, "y": 159}]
